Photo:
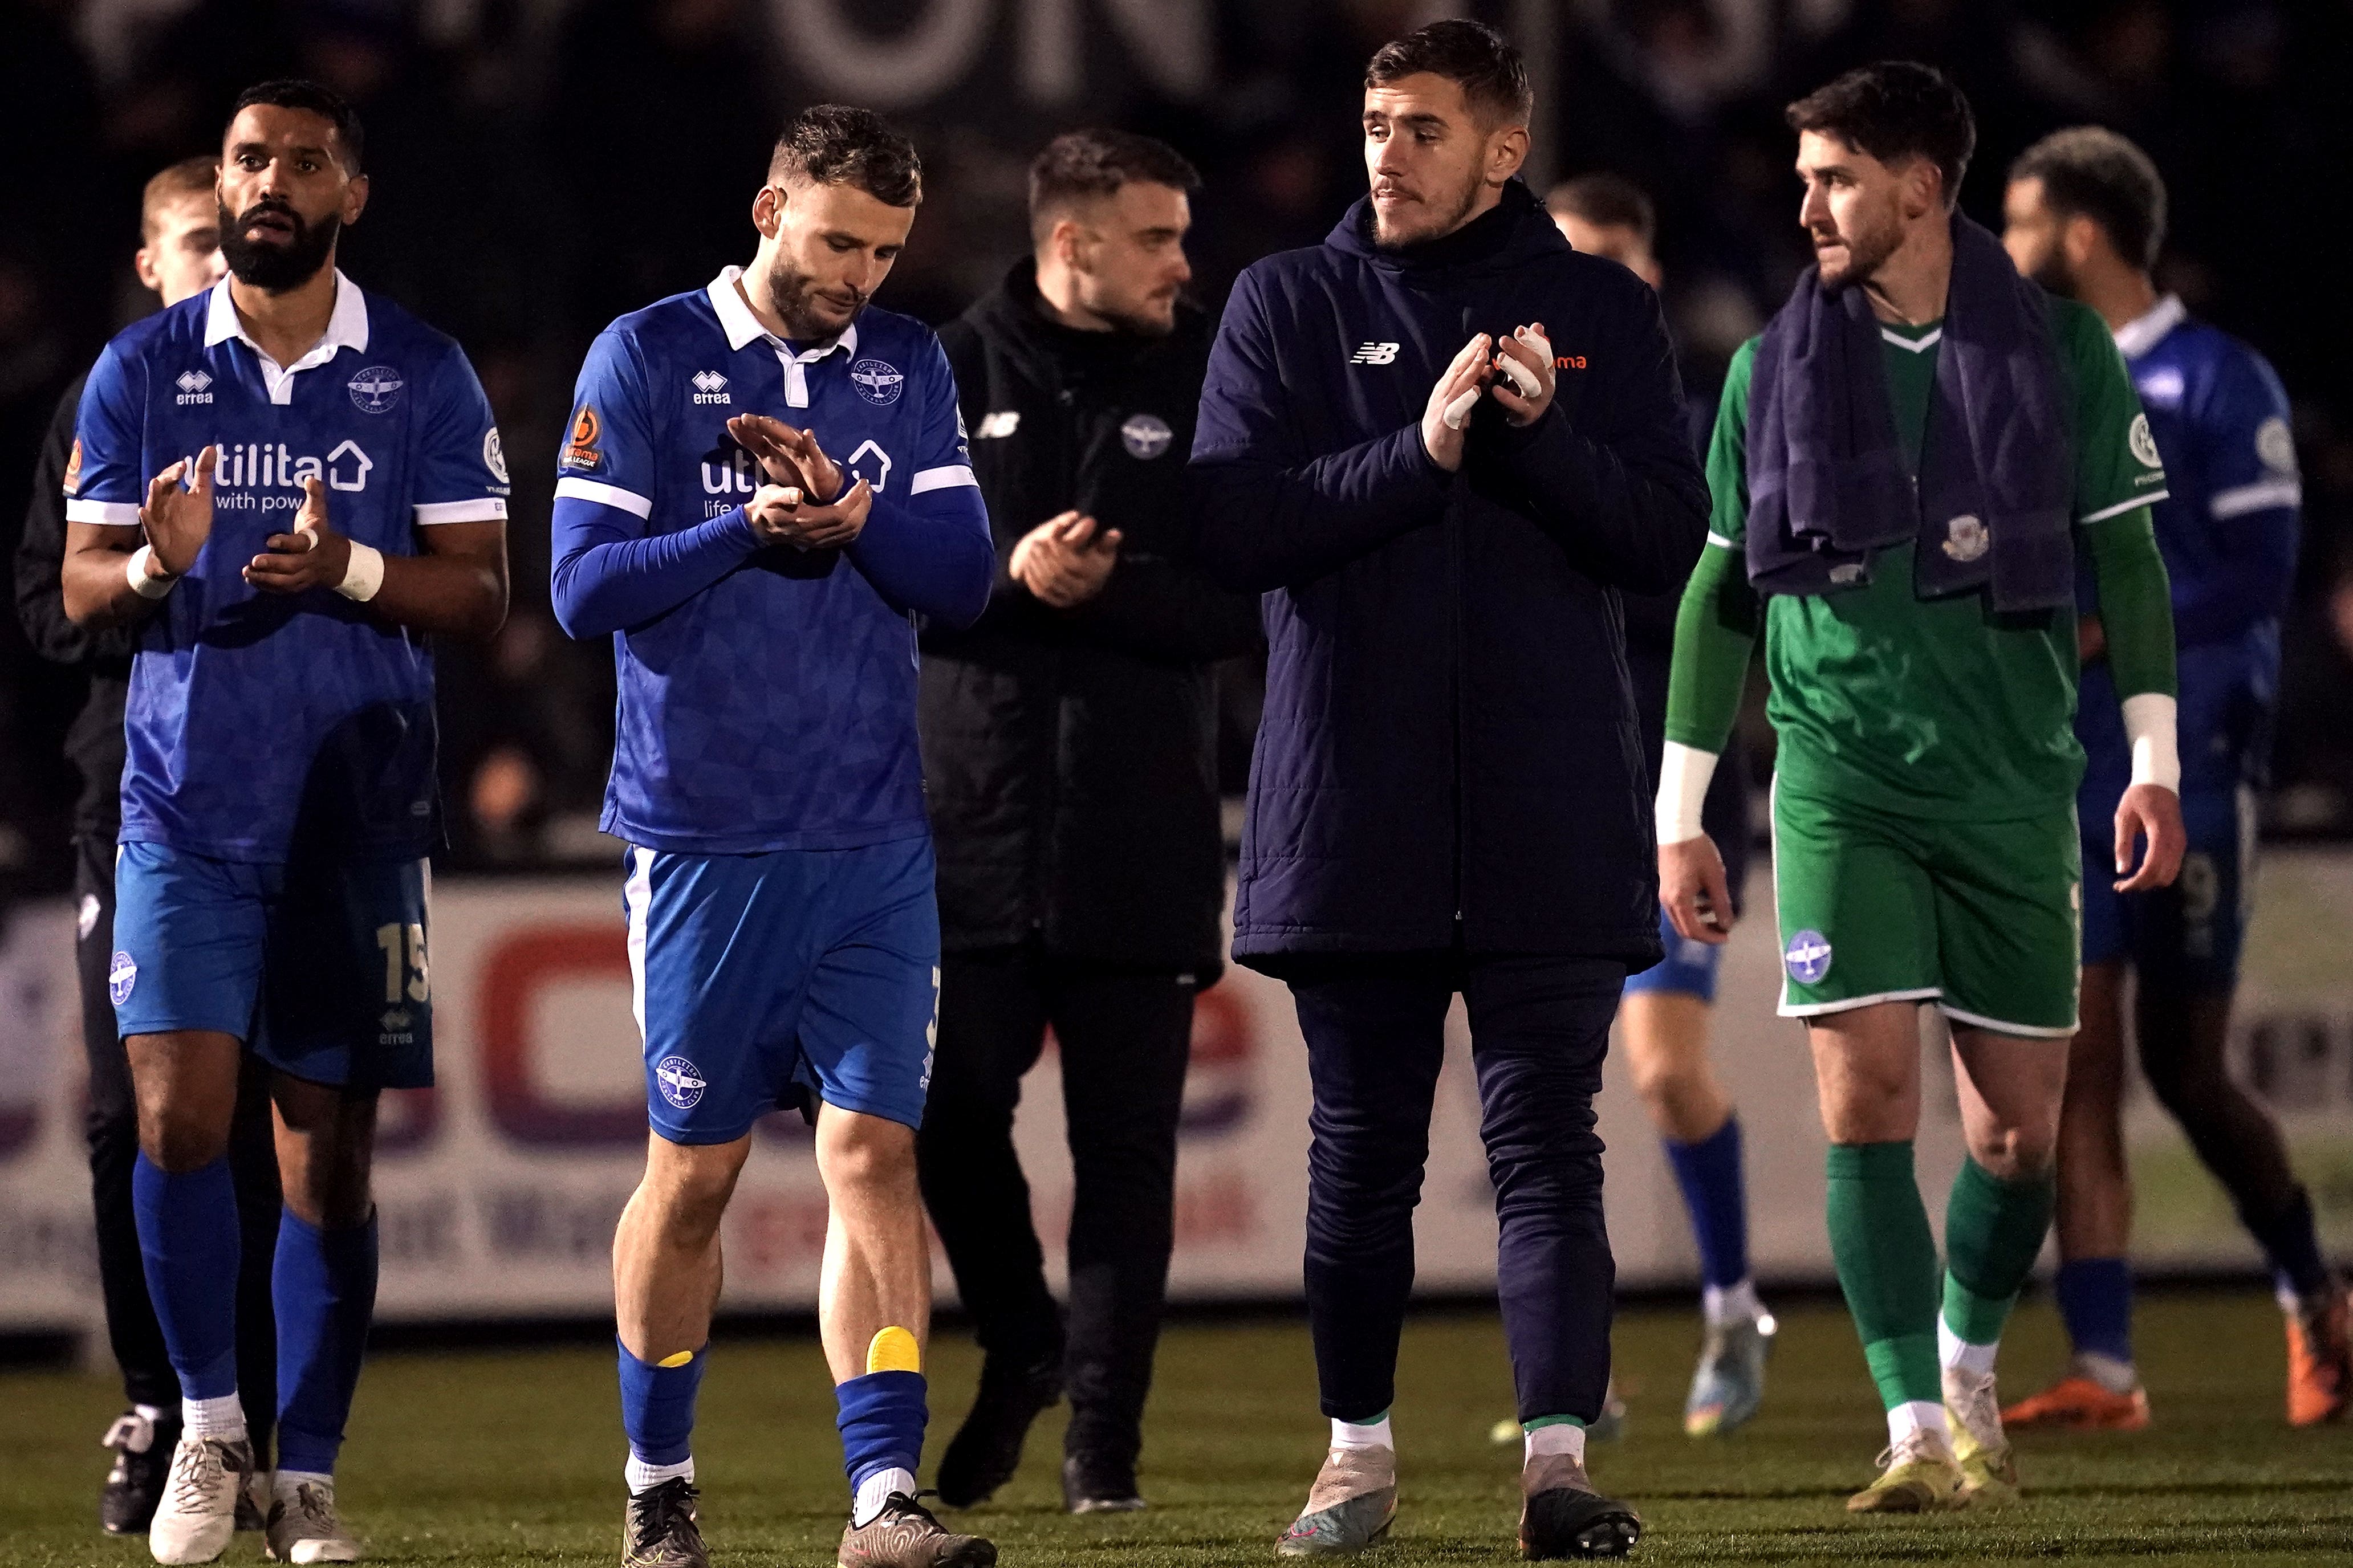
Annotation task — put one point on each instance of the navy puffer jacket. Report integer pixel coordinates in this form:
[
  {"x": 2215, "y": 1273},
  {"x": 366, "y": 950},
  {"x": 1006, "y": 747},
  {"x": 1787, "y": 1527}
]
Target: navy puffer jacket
[{"x": 1449, "y": 751}]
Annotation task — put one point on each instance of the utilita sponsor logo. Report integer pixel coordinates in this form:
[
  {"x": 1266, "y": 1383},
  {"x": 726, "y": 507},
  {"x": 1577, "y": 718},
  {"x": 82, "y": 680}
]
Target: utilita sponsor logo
[{"x": 261, "y": 465}]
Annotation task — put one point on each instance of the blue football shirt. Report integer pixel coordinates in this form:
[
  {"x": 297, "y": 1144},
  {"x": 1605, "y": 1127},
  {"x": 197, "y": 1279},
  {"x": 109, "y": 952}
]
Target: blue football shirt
[
  {"x": 2228, "y": 531},
  {"x": 774, "y": 707},
  {"x": 250, "y": 713}
]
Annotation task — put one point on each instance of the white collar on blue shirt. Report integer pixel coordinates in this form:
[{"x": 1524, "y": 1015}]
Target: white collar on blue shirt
[
  {"x": 744, "y": 329},
  {"x": 2144, "y": 333},
  {"x": 347, "y": 328}
]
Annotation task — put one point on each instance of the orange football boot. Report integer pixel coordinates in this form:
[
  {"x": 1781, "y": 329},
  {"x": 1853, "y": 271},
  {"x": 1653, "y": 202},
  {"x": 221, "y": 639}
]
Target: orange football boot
[
  {"x": 2320, "y": 1360},
  {"x": 2076, "y": 1404}
]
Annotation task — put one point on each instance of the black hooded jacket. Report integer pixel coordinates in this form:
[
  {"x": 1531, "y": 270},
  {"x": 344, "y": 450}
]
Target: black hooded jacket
[
  {"x": 1070, "y": 755},
  {"x": 1449, "y": 751}
]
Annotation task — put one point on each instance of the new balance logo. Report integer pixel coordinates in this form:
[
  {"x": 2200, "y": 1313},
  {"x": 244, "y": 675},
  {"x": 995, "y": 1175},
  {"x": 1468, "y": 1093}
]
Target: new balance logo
[
  {"x": 192, "y": 384},
  {"x": 710, "y": 386},
  {"x": 1374, "y": 354}
]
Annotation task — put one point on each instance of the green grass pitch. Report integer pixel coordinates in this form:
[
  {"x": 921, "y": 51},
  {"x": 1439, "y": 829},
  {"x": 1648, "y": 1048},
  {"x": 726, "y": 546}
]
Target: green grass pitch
[{"x": 513, "y": 1458}]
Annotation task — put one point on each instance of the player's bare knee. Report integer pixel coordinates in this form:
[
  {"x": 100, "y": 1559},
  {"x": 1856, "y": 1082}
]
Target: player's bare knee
[
  {"x": 180, "y": 1139},
  {"x": 864, "y": 1152},
  {"x": 2015, "y": 1153}
]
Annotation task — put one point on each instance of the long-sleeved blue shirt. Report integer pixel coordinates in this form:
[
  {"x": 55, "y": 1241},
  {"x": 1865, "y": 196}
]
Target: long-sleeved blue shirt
[{"x": 767, "y": 694}]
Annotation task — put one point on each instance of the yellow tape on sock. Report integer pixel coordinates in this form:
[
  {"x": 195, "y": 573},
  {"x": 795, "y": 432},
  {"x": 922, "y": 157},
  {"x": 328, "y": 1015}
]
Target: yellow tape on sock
[
  {"x": 894, "y": 1350},
  {"x": 681, "y": 1359}
]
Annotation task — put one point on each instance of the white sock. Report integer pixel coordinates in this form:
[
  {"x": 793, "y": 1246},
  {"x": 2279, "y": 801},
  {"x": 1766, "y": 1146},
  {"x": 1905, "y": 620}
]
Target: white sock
[
  {"x": 644, "y": 1477},
  {"x": 284, "y": 1483},
  {"x": 1370, "y": 1435},
  {"x": 223, "y": 1418},
  {"x": 875, "y": 1490},
  {"x": 1918, "y": 1416},
  {"x": 1559, "y": 1438},
  {"x": 1728, "y": 1304},
  {"x": 1956, "y": 1354},
  {"x": 2115, "y": 1376}
]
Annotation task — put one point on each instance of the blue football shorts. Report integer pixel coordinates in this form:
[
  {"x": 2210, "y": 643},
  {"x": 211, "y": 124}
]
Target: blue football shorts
[
  {"x": 2193, "y": 930},
  {"x": 762, "y": 979},
  {"x": 319, "y": 967},
  {"x": 1688, "y": 970}
]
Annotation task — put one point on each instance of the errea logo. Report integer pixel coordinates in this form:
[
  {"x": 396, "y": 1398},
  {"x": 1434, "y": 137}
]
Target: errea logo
[
  {"x": 710, "y": 386},
  {"x": 192, "y": 384},
  {"x": 1375, "y": 353}
]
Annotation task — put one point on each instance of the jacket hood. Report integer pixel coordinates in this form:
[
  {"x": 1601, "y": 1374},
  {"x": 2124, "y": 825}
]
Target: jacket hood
[
  {"x": 1512, "y": 232},
  {"x": 1013, "y": 317}
]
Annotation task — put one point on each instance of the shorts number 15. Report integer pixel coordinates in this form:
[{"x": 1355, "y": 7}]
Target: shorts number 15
[{"x": 404, "y": 961}]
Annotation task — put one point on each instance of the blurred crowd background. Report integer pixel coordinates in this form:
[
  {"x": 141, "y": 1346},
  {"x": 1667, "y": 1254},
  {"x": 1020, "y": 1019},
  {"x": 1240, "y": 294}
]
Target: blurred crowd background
[{"x": 541, "y": 166}]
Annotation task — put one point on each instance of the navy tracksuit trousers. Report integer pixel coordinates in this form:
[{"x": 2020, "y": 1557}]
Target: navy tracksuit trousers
[{"x": 1374, "y": 1026}]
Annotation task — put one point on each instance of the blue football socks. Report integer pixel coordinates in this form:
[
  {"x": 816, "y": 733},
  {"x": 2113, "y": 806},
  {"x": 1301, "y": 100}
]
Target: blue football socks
[
  {"x": 188, "y": 1240},
  {"x": 1709, "y": 1173},
  {"x": 882, "y": 1416},
  {"x": 658, "y": 1415},
  {"x": 322, "y": 1283},
  {"x": 2096, "y": 1302}
]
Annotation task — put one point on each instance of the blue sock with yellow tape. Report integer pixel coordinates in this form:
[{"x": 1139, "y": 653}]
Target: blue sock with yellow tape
[
  {"x": 882, "y": 1416},
  {"x": 657, "y": 1414}
]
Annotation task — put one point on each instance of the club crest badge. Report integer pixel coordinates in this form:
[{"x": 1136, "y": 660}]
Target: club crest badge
[
  {"x": 680, "y": 1081},
  {"x": 122, "y": 975},
  {"x": 1966, "y": 537},
  {"x": 494, "y": 455},
  {"x": 73, "y": 468},
  {"x": 2143, "y": 444},
  {"x": 878, "y": 382},
  {"x": 1808, "y": 957},
  {"x": 376, "y": 389},
  {"x": 1146, "y": 435}
]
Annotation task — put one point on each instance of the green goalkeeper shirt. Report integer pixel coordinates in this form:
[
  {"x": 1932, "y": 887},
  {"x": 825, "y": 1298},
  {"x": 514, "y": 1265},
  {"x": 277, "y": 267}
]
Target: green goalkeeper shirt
[{"x": 1929, "y": 707}]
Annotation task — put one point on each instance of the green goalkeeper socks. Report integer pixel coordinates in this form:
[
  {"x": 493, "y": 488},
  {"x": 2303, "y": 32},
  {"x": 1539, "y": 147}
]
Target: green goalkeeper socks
[
  {"x": 1993, "y": 1229},
  {"x": 1887, "y": 1266}
]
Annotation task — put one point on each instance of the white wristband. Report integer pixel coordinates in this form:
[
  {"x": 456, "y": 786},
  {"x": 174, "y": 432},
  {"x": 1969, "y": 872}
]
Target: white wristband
[
  {"x": 1683, "y": 775},
  {"x": 365, "y": 576},
  {"x": 2149, "y": 725},
  {"x": 145, "y": 583}
]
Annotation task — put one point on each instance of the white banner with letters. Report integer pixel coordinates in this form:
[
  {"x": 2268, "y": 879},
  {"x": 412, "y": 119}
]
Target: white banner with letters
[{"x": 498, "y": 1188}]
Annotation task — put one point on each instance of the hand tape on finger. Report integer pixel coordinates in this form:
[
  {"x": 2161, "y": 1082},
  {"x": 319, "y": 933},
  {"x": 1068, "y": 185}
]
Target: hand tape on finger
[
  {"x": 1527, "y": 380},
  {"x": 1458, "y": 413}
]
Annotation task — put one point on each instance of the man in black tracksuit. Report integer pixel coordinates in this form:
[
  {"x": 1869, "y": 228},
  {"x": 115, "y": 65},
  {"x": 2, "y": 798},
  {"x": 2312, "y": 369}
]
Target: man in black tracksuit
[
  {"x": 1443, "y": 444},
  {"x": 179, "y": 257},
  {"x": 1069, "y": 751}
]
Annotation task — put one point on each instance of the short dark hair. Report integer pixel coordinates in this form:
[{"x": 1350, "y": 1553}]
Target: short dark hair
[
  {"x": 188, "y": 177},
  {"x": 835, "y": 144},
  {"x": 2090, "y": 171},
  {"x": 1605, "y": 201},
  {"x": 1895, "y": 109},
  {"x": 1085, "y": 165},
  {"x": 312, "y": 98},
  {"x": 1473, "y": 56}
]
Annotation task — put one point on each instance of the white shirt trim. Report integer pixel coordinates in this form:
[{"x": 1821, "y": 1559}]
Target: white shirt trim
[
  {"x": 1917, "y": 346},
  {"x": 1721, "y": 542},
  {"x": 347, "y": 328},
  {"x": 483, "y": 509},
  {"x": 105, "y": 513},
  {"x": 940, "y": 478},
  {"x": 2261, "y": 496},
  {"x": 604, "y": 494},
  {"x": 744, "y": 329},
  {"x": 2145, "y": 332},
  {"x": 2123, "y": 506}
]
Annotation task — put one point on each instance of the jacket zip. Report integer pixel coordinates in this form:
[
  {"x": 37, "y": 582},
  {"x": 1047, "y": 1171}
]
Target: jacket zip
[{"x": 1459, "y": 679}]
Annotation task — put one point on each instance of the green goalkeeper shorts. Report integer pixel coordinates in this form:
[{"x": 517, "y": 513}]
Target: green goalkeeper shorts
[{"x": 1983, "y": 919}]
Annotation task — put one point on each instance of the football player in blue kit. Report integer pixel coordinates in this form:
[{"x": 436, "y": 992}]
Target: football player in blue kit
[
  {"x": 2085, "y": 212},
  {"x": 764, "y": 486},
  {"x": 283, "y": 483}
]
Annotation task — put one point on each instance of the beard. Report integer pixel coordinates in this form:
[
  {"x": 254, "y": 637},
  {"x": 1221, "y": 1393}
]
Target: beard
[
  {"x": 271, "y": 266},
  {"x": 2051, "y": 271},
  {"x": 1435, "y": 220},
  {"x": 1866, "y": 251},
  {"x": 793, "y": 294}
]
